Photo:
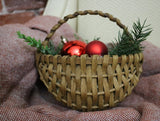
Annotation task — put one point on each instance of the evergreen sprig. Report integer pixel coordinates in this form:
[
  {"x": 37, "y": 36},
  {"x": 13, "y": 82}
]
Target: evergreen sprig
[
  {"x": 55, "y": 50},
  {"x": 127, "y": 43},
  {"x": 78, "y": 38},
  {"x": 131, "y": 43},
  {"x": 50, "y": 49}
]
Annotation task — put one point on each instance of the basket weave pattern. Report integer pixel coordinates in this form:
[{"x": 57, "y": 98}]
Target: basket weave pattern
[{"x": 89, "y": 83}]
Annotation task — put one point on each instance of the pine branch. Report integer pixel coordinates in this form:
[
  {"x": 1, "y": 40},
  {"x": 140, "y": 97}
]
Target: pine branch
[
  {"x": 131, "y": 44},
  {"x": 78, "y": 38},
  {"x": 31, "y": 41},
  {"x": 55, "y": 50},
  {"x": 34, "y": 43},
  {"x": 140, "y": 32}
]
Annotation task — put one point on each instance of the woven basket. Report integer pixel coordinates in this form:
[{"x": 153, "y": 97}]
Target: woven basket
[{"x": 89, "y": 83}]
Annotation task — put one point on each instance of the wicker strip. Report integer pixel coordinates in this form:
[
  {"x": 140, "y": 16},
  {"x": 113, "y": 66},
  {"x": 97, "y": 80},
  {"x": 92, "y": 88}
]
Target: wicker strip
[
  {"x": 94, "y": 80},
  {"x": 89, "y": 88}
]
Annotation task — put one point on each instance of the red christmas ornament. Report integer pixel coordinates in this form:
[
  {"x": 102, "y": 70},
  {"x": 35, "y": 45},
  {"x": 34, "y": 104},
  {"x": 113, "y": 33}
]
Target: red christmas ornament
[
  {"x": 75, "y": 47},
  {"x": 96, "y": 48}
]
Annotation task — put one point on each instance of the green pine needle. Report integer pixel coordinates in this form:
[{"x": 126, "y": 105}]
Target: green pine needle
[
  {"x": 131, "y": 44},
  {"x": 55, "y": 50},
  {"x": 78, "y": 38},
  {"x": 34, "y": 43},
  {"x": 125, "y": 44},
  {"x": 96, "y": 38}
]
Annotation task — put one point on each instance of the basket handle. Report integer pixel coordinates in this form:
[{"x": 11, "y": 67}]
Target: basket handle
[{"x": 74, "y": 15}]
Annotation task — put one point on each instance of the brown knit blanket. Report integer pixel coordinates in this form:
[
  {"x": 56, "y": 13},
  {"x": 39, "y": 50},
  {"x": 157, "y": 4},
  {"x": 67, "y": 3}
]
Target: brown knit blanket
[{"x": 23, "y": 97}]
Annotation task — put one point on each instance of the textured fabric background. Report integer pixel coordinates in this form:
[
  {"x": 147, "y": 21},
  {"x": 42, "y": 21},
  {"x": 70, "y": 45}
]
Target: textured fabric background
[{"x": 24, "y": 97}]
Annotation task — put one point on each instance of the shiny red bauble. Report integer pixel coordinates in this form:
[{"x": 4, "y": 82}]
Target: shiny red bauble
[
  {"x": 75, "y": 47},
  {"x": 96, "y": 48}
]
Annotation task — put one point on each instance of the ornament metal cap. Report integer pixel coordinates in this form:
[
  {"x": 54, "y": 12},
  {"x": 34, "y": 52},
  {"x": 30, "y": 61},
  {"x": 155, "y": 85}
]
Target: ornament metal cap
[{"x": 64, "y": 40}]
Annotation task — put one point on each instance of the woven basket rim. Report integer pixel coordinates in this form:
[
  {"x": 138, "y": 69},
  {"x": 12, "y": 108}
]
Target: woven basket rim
[{"x": 89, "y": 58}]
